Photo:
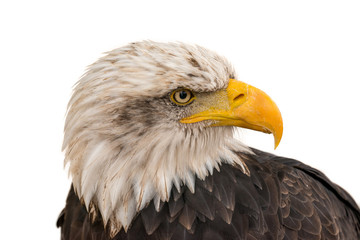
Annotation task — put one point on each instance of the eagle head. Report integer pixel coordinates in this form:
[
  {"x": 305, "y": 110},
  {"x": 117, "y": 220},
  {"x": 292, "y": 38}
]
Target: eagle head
[{"x": 151, "y": 116}]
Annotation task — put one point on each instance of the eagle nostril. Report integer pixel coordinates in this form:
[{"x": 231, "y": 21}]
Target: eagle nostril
[{"x": 239, "y": 96}]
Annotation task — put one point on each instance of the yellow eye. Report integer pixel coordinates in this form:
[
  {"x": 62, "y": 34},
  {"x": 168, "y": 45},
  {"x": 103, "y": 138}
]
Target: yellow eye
[{"x": 182, "y": 96}]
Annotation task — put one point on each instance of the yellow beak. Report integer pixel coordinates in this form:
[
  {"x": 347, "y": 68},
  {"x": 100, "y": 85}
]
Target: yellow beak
[{"x": 246, "y": 107}]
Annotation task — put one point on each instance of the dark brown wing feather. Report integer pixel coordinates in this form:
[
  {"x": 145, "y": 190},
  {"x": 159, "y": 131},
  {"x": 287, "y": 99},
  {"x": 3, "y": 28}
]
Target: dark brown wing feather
[{"x": 282, "y": 199}]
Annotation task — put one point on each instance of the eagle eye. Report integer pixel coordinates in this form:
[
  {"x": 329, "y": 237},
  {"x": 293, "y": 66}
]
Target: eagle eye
[{"x": 182, "y": 97}]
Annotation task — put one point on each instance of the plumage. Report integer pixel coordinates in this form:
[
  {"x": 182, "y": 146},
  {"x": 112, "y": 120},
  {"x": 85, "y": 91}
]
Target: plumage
[
  {"x": 149, "y": 140},
  {"x": 246, "y": 220}
]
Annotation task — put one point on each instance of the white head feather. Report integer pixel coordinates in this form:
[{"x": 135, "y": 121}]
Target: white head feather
[{"x": 123, "y": 139}]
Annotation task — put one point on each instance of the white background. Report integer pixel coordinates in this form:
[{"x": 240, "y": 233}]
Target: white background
[{"x": 304, "y": 54}]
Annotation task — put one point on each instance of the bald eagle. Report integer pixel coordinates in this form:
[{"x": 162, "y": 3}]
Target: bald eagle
[{"x": 149, "y": 143}]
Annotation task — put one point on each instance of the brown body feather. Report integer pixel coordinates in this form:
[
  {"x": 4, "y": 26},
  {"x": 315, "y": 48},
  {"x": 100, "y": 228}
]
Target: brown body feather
[{"x": 281, "y": 199}]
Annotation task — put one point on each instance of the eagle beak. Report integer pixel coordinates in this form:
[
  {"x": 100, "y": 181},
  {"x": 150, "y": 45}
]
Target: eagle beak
[{"x": 246, "y": 107}]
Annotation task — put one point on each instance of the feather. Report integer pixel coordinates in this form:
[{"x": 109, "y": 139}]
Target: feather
[
  {"x": 226, "y": 194},
  {"x": 152, "y": 219},
  {"x": 324, "y": 214},
  {"x": 308, "y": 236},
  {"x": 175, "y": 207},
  {"x": 187, "y": 217},
  {"x": 292, "y": 223},
  {"x": 304, "y": 208},
  {"x": 247, "y": 199},
  {"x": 223, "y": 212},
  {"x": 177, "y": 194},
  {"x": 166, "y": 231},
  {"x": 291, "y": 234},
  {"x": 273, "y": 195},
  {"x": 312, "y": 224},
  {"x": 208, "y": 183},
  {"x": 285, "y": 206},
  {"x": 211, "y": 234},
  {"x": 201, "y": 201},
  {"x": 333, "y": 229},
  {"x": 239, "y": 226}
]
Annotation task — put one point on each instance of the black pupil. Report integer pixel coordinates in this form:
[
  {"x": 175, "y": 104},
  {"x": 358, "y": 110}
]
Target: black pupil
[{"x": 183, "y": 94}]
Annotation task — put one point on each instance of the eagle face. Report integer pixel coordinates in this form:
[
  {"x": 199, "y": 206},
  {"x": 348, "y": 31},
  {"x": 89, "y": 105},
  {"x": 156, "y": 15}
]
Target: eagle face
[{"x": 151, "y": 116}]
